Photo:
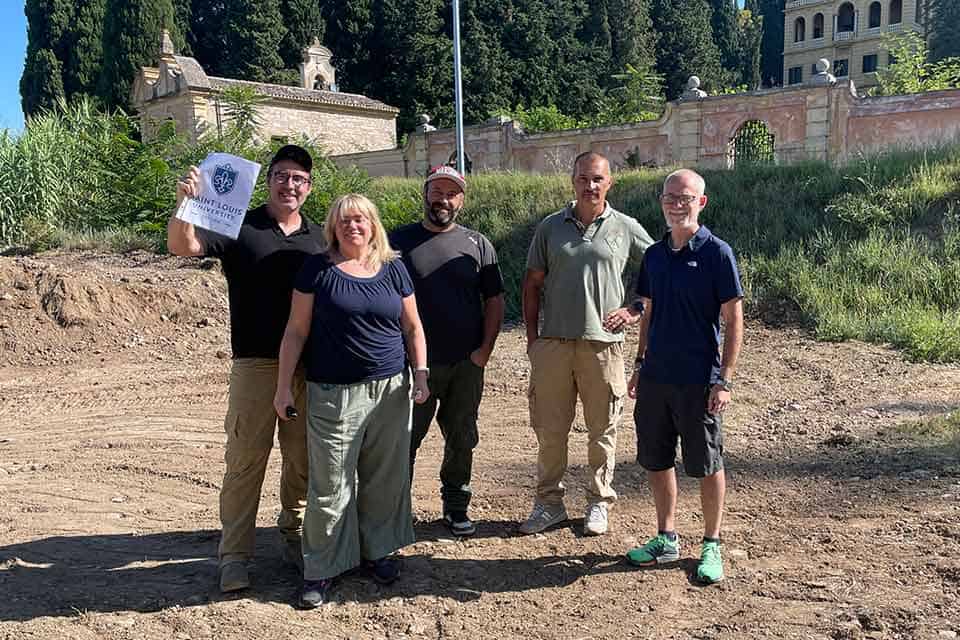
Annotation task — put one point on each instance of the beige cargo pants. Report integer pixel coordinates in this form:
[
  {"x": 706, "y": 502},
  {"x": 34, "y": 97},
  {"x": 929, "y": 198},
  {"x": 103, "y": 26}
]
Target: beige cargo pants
[
  {"x": 250, "y": 424},
  {"x": 562, "y": 370}
]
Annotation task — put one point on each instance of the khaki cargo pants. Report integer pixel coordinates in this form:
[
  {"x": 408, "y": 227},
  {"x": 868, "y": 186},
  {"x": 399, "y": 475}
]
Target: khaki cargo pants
[
  {"x": 250, "y": 425},
  {"x": 561, "y": 370}
]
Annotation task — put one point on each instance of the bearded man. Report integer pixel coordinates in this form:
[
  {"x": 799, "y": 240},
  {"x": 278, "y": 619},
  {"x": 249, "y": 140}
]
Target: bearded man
[{"x": 459, "y": 292}]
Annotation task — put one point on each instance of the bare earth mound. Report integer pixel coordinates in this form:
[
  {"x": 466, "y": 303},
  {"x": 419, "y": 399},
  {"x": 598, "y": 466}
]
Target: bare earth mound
[{"x": 112, "y": 391}]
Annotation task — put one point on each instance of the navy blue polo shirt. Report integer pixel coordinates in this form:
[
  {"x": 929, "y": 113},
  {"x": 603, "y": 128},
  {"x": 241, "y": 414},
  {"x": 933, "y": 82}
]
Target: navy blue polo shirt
[{"x": 687, "y": 288}]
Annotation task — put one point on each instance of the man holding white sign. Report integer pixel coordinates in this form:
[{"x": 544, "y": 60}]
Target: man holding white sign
[{"x": 260, "y": 266}]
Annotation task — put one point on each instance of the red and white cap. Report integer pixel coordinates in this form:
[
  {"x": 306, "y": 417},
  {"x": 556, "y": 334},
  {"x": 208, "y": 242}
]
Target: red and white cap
[{"x": 446, "y": 172}]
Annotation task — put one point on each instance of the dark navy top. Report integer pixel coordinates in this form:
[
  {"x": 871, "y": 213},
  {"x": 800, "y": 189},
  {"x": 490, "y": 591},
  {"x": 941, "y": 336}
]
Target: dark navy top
[
  {"x": 355, "y": 335},
  {"x": 687, "y": 288}
]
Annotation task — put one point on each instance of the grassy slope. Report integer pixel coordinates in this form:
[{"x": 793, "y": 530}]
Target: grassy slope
[{"x": 869, "y": 251}]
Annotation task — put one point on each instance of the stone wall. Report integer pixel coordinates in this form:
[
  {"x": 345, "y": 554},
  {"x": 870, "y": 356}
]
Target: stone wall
[
  {"x": 336, "y": 130},
  {"x": 828, "y": 123}
]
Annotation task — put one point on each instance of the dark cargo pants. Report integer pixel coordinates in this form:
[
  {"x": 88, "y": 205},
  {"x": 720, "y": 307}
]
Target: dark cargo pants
[{"x": 455, "y": 394}]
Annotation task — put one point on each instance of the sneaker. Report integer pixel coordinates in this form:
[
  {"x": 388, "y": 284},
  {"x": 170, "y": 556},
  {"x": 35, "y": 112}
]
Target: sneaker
[
  {"x": 314, "y": 593},
  {"x": 234, "y": 576},
  {"x": 384, "y": 570},
  {"x": 459, "y": 524},
  {"x": 543, "y": 517},
  {"x": 291, "y": 553},
  {"x": 710, "y": 569},
  {"x": 595, "y": 519},
  {"x": 657, "y": 550}
]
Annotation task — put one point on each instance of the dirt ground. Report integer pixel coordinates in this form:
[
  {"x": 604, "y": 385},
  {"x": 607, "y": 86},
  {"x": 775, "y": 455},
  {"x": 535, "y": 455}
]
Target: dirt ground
[{"x": 113, "y": 369}]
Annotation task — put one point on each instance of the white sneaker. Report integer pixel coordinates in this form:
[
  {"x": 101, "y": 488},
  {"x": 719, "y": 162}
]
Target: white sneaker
[
  {"x": 543, "y": 517},
  {"x": 595, "y": 519}
]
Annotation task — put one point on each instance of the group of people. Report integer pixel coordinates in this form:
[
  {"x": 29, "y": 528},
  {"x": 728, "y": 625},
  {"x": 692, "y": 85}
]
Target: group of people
[{"x": 349, "y": 342}]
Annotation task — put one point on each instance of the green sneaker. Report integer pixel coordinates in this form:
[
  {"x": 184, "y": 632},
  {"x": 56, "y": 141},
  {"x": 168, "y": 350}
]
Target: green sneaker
[
  {"x": 657, "y": 550},
  {"x": 710, "y": 569}
]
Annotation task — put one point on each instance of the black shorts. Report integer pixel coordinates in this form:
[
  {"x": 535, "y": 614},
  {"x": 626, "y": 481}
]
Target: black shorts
[{"x": 665, "y": 412}]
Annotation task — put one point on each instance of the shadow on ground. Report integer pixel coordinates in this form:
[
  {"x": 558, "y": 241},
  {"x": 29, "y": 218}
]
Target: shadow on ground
[{"x": 66, "y": 575}]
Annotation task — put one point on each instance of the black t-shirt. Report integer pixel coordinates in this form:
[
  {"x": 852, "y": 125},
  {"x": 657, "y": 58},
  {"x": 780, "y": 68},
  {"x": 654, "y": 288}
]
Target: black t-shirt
[
  {"x": 453, "y": 273},
  {"x": 260, "y": 266},
  {"x": 355, "y": 333}
]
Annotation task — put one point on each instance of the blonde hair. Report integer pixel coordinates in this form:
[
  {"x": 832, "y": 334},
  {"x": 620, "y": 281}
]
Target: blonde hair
[{"x": 380, "y": 251}]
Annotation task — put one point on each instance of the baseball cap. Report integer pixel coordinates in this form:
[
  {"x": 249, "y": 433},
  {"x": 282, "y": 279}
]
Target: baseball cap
[
  {"x": 444, "y": 171},
  {"x": 295, "y": 154}
]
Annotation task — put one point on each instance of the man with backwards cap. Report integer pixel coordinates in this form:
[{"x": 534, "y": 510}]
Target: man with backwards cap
[
  {"x": 460, "y": 299},
  {"x": 260, "y": 266}
]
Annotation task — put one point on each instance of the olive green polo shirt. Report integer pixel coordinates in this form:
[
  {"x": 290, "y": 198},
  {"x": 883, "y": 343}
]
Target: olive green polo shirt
[{"x": 584, "y": 270}]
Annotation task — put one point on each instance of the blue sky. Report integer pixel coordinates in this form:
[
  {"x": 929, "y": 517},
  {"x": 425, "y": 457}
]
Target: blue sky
[{"x": 13, "y": 48}]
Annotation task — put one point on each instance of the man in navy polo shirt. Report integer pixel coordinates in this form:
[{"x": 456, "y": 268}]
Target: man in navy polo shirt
[
  {"x": 260, "y": 267},
  {"x": 688, "y": 282}
]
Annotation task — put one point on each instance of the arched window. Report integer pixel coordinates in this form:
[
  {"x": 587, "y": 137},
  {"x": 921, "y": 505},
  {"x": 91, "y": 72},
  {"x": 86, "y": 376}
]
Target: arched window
[
  {"x": 875, "y": 11},
  {"x": 799, "y": 30},
  {"x": 845, "y": 17},
  {"x": 818, "y": 26},
  {"x": 753, "y": 143},
  {"x": 896, "y": 11}
]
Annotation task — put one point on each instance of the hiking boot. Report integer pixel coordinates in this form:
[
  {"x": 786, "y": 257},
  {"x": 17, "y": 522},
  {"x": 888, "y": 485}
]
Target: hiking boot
[
  {"x": 658, "y": 550},
  {"x": 459, "y": 524},
  {"x": 234, "y": 576},
  {"x": 314, "y": 593},
  {"x": 595, "y": 519},
  {"x": 543, "y": 517},
  {"x": 291, "y": 553},
  {"x": 385, "y": 570},
  {"x": 710, "y": 569}
]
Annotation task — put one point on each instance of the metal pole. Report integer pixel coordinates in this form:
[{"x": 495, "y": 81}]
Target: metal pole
[{"x": 458, "y": 86}]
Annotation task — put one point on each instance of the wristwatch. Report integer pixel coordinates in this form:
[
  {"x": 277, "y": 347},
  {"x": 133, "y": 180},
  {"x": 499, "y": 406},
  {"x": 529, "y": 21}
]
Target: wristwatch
[
  {"x": 724, "y": 384},
  {"x": 426, "y": 370}
]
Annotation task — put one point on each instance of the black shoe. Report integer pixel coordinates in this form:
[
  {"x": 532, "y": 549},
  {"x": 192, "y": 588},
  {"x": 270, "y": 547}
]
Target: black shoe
[
  {"x": 459, "y": 523},
  {"x": 314, "y": 593},
  {"x": 384, "y": 570}
]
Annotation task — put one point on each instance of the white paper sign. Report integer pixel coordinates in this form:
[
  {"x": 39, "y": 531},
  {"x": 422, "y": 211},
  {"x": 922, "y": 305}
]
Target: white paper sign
[{"x": 226, "y": 186}]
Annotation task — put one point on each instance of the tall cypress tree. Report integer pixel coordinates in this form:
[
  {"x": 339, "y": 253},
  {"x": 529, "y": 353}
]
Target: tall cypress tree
[
  {"x": 686, "y": 45},
  {"x": 47, "y": 44},
  {"x": 131, "y": 40},
  {"x": 41, "y": 85},
  {"x": 595, "y": 34},
  {"x": 182, "y": 13},
  {"x": 943, "y": 16},
  {"x": 633, "y": 41},
  {"x": 82, "y": 66},
  {"x": 349, "y": 26},
  {"x": 486, "y": 68},
  {"x": 304, "y": 24},
  {"x": 751, "y": 37},
  {"x": 771, "y": 47},
  {"x": 252, "y": 31},
  {"x": 724, "y": 24}
]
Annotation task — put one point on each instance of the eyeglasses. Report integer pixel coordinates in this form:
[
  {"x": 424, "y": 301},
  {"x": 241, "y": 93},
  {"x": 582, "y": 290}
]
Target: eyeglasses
[
  {"x": 281, "y": 177},
  {"x": 684, "y": 200}
]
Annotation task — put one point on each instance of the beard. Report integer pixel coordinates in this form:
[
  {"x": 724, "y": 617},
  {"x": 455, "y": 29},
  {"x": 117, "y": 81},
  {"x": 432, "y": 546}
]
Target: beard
[{"x": 441, "y": 217}]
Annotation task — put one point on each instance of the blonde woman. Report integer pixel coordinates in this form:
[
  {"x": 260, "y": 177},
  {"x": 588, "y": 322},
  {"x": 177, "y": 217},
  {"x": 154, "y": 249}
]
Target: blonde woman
[{"x": 355, "y": 302}]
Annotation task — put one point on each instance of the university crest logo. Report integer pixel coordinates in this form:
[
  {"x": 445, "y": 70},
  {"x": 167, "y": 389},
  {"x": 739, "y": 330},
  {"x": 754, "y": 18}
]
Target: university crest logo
[{"x": 224, "y": 179}]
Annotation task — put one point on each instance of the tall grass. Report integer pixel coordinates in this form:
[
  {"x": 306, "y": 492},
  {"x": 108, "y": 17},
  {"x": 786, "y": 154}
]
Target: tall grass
[{"x": 77, "y": 170}]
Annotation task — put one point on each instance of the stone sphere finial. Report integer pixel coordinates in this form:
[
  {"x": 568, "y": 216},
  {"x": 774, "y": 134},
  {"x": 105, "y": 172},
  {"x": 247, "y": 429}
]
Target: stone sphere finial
[
  {"x": 424, "y": 125},
  {"x": 693, "y": 83},
  {"x": 823, "y": 65}
]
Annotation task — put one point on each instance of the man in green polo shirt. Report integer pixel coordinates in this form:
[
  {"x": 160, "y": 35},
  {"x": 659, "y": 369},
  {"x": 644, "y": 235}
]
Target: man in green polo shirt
[{"x": 575, "y": 277}]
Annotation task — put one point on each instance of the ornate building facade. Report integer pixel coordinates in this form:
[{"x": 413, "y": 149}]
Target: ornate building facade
[
  {"x": 178, "y": 89},
  {"x": 849, "y": 33}
]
